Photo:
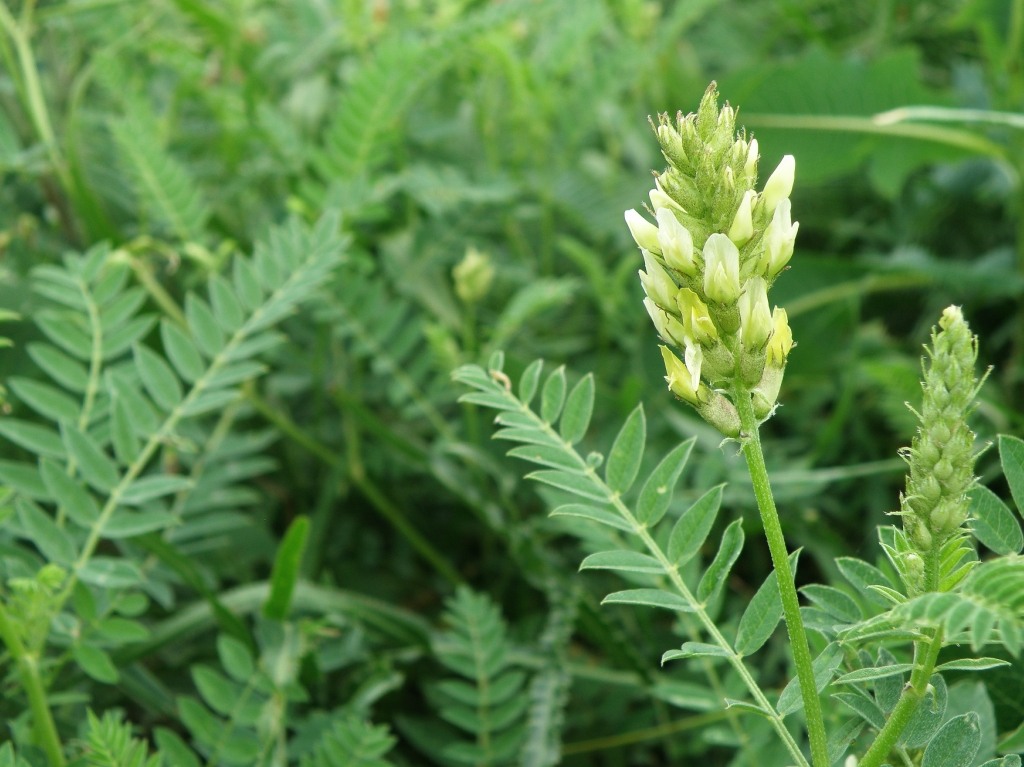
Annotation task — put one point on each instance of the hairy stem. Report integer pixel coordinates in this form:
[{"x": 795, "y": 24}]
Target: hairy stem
[
  {"x": 27, "y": 663},
  {"x": 926, "y": 654},
  {"x": 787, "y": 588}
]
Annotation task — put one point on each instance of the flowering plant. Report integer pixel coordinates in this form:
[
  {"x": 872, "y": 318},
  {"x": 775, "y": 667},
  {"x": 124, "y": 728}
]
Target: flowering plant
[{"x": 710, "y": 258}]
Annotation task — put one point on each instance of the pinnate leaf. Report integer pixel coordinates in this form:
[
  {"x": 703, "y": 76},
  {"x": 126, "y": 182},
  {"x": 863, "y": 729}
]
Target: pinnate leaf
[
  {"x": 824, "y": 667},
  {"x": 529, "y": 381},
  {"x": 1011, "y": 455},
  {"x": 96, "y": 663},
  {"x": 33, "y": 437},
  {"x": 76, "y": 501},
  {"x": 146, "y": 489},
  {"x": 694, "y": 650},
  {"x": 956, "y": 744},
  {"x": 158, "y": 378},
  {"x": 96, "y": 467},
  {"x": 993, "y": 523},
  {"x": 718, "y": 571},
  {"x": 226, "y": 308},
  {"x": 203, "y": 325},
  {"x": 68, "y": 372},
  {"x": 181, "y": 351},
  {"x": 592, "y": 513},
  {"x": 579, "y": 406},
  {"x": 552, "y": 396},
  {"x": 49, "y": 401},
  {"x": 693, "y": 527},
  {"x": 627, "y": 452},
  {"x": 626, "y": 561},
  {"x": 656, "y": 494},
  {"x": 247, "y": 286},
  {"x": 763, "y": 613},
  {"x": 54, "y": 543},
  {"x": 649, "y": 598}
]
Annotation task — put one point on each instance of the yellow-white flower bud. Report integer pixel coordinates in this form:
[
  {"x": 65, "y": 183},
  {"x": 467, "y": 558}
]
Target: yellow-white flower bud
[
  {"x": 721, "y": 269},
  {"x": 676, "y": 243},
  {"x": 680, "y": 380},
  {"x": 742, "y": 228},
  {"x": 780, "y": 184},
  {"x": 750, "y": 165},
  {"x": 694, "y": 358},
  {"x": 728, "y": 178},
  {"x": 669, "y": 328},
  {"x": 661, "y": 200},
  {"x": 739, "y": 150},
  {"x": 779, "y": 239},
  {"x": 657, "y": 283},
  {"x": 697, "y": 321},
  {"x": 755, "y": 314},
  {"x": 781, "y": 341},
  {"x": 645, "y": 234}
]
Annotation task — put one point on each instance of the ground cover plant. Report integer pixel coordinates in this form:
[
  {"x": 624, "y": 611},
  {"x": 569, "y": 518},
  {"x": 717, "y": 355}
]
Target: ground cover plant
[{"x": 275, "y": 274}]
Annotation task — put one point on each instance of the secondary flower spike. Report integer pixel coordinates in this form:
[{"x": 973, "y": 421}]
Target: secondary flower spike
[
  {"x": 711, "y": 259},
  {"x": 941, "y": 458}
]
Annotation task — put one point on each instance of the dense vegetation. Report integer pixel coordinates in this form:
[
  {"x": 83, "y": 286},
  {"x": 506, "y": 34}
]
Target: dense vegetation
[{"x": 244, "y": 517}]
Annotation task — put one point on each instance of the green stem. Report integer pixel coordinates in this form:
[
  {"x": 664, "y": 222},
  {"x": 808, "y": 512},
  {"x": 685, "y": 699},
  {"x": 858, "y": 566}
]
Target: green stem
[
  {"x": 632, "y": 737},
  {"x": 28, "y": 671},
  {"x": 787, "y": 588},
  {"x": 926, "y": 654},
  {"x": 36, "y": 103}
]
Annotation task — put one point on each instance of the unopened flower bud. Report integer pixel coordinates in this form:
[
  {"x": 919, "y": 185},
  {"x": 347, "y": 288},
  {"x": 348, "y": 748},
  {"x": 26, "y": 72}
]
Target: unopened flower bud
[
  {"x": 669, "y": 328},
  {"x": 694, "y": 358},
  {"x": 779, "y": 239},
  {"x": 750, "y": 165},
  {"x": 781, "y": 341},
  {"x": 657, "y": 284},
  {"x": 671, "y": 144},
  {"x": 696, "y": 318},
  {"x": 645, "y": 234},
  {"x": 681, "y": 380},
  {"x": 939, "y": 434},
  {"x": 766, "y": 393},
  {"x": 721, "y": 269},
  {"x": 728, "y": 178},
  {"x": 473, "y": 276},
  {"x": 661, "y": 200},
  {"x": 676, "y": 243},
  {"x": 755, "y": 314},
  {"x": 742, "y": 228},
  {"x": 913, "y": 571},
  {"x": 780, "y": 183}
]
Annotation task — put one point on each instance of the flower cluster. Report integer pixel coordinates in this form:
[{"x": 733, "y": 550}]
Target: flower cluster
[
  {"x": 709, "y": 261},
  {"x": 941, "y": 457}
]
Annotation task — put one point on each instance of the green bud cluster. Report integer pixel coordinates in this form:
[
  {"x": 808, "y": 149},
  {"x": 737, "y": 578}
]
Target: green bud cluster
[
  {"x": 709, "y": 261},
  {"x": 941, "y": 457},
  {"x": 473, "y": 276}
]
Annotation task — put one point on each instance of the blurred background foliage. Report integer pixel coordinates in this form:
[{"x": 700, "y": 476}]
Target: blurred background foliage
[{"x": 180, "y": 131}]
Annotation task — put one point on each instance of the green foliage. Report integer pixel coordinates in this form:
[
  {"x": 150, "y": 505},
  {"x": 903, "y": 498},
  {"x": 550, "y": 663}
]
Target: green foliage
[
  {"x": 351, "y": 742},
  {"x": 485, "y": 699},
  {"x": 236, "y": 488},
  {"x": 109, "y": 743}
]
